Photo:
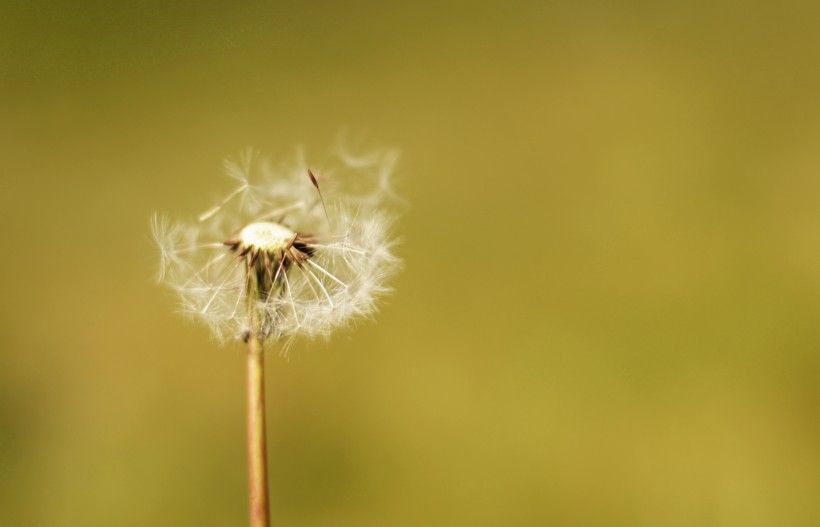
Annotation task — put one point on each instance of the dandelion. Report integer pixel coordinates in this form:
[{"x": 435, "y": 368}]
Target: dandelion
[{"x": 273, "y": 261}]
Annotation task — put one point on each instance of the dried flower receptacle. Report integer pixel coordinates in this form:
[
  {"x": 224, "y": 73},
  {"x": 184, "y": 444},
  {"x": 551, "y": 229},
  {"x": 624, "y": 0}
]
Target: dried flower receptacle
[{"x": 268, "y": 250}]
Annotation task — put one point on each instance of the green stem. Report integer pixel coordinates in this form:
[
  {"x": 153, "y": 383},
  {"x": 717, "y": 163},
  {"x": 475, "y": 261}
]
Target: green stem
[{"x": 257, "y": 456}]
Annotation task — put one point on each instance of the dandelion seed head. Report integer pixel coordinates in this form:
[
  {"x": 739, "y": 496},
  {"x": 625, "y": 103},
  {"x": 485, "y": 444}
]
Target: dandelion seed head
[{"x": 279, "y": 256}]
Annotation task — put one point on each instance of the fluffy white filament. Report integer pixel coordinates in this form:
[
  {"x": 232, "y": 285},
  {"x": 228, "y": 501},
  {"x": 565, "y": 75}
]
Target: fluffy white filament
[{"x": 343, "y": 280}]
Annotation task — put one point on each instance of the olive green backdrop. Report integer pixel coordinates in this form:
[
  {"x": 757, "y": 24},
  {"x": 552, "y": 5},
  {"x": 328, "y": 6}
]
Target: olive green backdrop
[{"x": 609, "y": 311}]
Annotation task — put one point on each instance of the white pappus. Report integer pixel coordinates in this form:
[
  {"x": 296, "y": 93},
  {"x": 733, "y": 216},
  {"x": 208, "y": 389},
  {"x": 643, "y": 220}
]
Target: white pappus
[{"x": 285, "y": 253}]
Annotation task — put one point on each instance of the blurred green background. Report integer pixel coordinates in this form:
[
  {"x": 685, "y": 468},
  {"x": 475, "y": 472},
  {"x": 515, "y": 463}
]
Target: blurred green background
[{"x": 609, "y": 312}]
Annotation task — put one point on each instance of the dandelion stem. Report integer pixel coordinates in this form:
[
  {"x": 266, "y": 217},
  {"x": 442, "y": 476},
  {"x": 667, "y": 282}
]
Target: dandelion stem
[{"x": 257, "y": 456}]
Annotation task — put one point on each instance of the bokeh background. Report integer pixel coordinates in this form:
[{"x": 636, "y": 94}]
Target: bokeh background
[{"x": 609, "y": 312}]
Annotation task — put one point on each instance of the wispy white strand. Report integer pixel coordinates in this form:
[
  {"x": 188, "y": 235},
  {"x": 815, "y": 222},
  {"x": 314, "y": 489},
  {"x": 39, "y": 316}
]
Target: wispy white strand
[{"x": 343, "y": 281}]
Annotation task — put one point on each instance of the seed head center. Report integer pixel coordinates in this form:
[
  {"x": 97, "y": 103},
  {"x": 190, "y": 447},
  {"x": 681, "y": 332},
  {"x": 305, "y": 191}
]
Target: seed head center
[{"x": 266, "y": 236}]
